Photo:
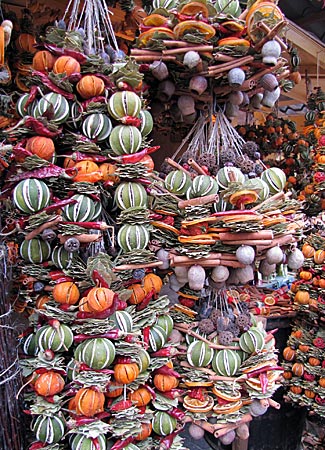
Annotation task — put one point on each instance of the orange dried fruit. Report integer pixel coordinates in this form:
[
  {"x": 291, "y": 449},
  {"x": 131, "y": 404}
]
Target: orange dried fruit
[
  {"x": 207, "y": 30},
  {"x": 146, "y": 36},
  {"x": 193, "y": 8},
  {"x": 155, "y": 20}
]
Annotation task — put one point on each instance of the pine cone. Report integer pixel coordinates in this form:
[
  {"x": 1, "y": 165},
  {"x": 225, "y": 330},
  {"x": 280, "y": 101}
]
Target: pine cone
[
  {"x": 225, "y": 338},
  {"x": 242, "y": 320},
  {"x": 250, "y": 148},
  {"x": 206, "y": 326},
  {"x": 227, "y": 155}
]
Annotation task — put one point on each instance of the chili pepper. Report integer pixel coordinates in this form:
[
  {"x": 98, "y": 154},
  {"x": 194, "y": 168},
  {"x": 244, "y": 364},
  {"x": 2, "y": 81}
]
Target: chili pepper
[
  {"x": 102, "y": 415},
  {"x": 263, "y": 370},
  {"x": 166, "y": 442},
  {"x": 141, "y": 306},
  {"x": 165, "y": 370},
  {"x": 130, "y": 338},
  {"x": 189, "y": 303},
  {"x": 27, "y": 411},
  {"x": 121, "y": 305},
  {"x": 165, "y": 352},
  {"x": 112, "y": 334},
  {"x": 58, "y": 205},
  {"x": 39, "y": 128},
  {"x": 96, "y": 443},
  {"x": 83, "y": 367},
  {"x": 63, "y": 279},
  {"x": 44, "y": 172},
  {"x": 129, "y": 120},
  {"x": 108, "y": 82},
  {"x": 177, "y": 413},
  {"x": 123, "y": 360},
  {"x": 79, "y": 156},
  {"x": 143, "y": 181},
  {"x": 99, "y": 315},
  {"x": 121, "y": 405},
  {"x": 56, "y": 275},
  {"x": 123, "y": 86},
  {"x": 122, "y": 443},
  {"x": 173, "y": 393},
  {"x": 52, "y": 86},
  {"x": 151, "y": 390},
  {"x": 31, "y": 97},
  {"x": 99, "y": 279},
  {"x": 135, "y": 157},
  {"x": 79, "y": 421},
  {"x": 197, "y": 393},
  {"x": 144, "y": 68},
  {"x": 102, "y": 226},
  {"x": 36, "y": 446},
  {"x": 19, "y": 152},
  {"x": 58, "y": 51},
  {"x": 99, "y": 99},
  {"x": 146, "y": 335},
  {"x": 264, "y": 382},
  {"x": 155, "y": 216},
  {"x": 168, "y": 220}
]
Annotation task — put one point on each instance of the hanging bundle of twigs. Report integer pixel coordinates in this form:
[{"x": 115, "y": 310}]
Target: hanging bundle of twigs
[{"x": 11, "y": 436}]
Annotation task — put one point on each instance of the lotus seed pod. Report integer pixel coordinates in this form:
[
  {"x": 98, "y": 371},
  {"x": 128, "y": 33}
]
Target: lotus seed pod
[
  {"x": 228, "y": 438},
  {"x": 269, "y": 82},
  {"x": 191, "y": 59},
  {"x": 270, "y": 97},
  {"x": 236, "y": 77},
  {"x": 159, "y": 70},
  {"x": 198, "y": 84},
  {"x": 186, "y": 104},
  {"x": 236, "y": 98},
  {"x": 271, "y": 51},
  {"x": 196, "y": 432},
  {"x": 257, "y": 409}
]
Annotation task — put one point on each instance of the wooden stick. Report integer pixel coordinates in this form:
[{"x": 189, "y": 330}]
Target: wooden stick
[
  {"x": 210, "y": 344},
  {"x": 214, "y": 70},
  {"x": 246, "y": 418},
  {"x": 44, "y": 226},
  {"x": 213, "y": 198},
  {"x": 196, "y": 166},
  {"x": 198, "y": 48},
  {"x": 136, "y": 266},
  {"x": 273, "y": 198},
  {"x": 149, "y": 58},
  {"x": 260, "y": 74},
  {"x": 223, "y": 58},
  {"x": 252, "y": 242},
  {"x": 82, "y": 238},
  {"x": 271, "y": 34},
  {"x": 177, "y": 166},
  {"x": 263, "y": 234},
  {"x": 268, "y": 30}
]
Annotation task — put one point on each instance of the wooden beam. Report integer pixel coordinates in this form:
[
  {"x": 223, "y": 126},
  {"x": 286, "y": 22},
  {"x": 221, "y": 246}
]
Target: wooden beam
[
  {"x": 310, "y": 44},
  {"x": 311, "y": 19}
]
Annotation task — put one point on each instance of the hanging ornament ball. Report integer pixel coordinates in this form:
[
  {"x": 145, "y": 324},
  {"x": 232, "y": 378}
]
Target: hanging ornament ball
[
  {"x": 202, "y": 185},
  {"x": 124, "y": 103},
  {"x": 125, "y": 139},
  {"x": 245, "y": 254},
  {"x": 274, "y": 255},
  {"x": 31, "y": 195},
  {"x": 275, "y": 178}
]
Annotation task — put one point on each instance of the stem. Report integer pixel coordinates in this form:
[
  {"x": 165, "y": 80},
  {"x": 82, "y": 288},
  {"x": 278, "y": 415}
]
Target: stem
[
  {"x": 188, "y": 331},
  {"x": 177, "y": 166}
]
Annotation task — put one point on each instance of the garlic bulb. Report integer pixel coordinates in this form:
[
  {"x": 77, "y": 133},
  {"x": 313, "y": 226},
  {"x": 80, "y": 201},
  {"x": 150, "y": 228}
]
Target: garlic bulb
[
  {"x": 181, "y": 274},
  {"x": 274, "y": 255},
  {"x": 245, "y": 254},
  {"x": 163, "y": 255},
  {"x": 196, "y": 277},
  {"x": 220, "y": 274},
  {"x": 295, "y": 259}
]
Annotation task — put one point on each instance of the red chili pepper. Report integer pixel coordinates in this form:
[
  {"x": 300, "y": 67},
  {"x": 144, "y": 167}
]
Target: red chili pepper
[
  {"x": 123, "y": 360},
  {"x": 144, "y": 68},
  {"x": 99, "y": 99},
  {"x": 58, "y": 51},
  {"x": 121, "y": 305},
  {"x": 145, "y": 302},
  {"x": 44, "y": 172},
  {"x": 79, "y": 421},
  {"x": 146, "y": 335},
  {"x": 135, "y": 157},
  {"x": 79, "y": 156},
  {"x": 99, "y": 315},
  {"x": 143, "y": 181},
  {"x": 165, "y": 352},
  {"x": 99, "y": 279},
  {"x": 85, "y": 368},
  {"x": 151, "y": 390},
  {"x": 36, "y": 446},
  {"x": 88, "y": 225},
  {"x": 108, "y": 82},
  {"x": 168, "y": 220},
  {"x": 112, "y": 334},
  {"x": 96, "y": 443},
  {"x": 165, "y": 370},
  {"x": 264, "y": 382},
  {"x": 129, "y": 120},
  {"x": 256, "y": 372},
  {"x": 58, "y": 205},
  {"x": 123, "y": 86},
  {"x": 57, "y": 275},
  {"x": 173, "y": 393},
  {"x": 122, "y": 405},
  {"x": 122, "y": 443},
  {"x": 19, "y": 152},
  {"x": 31, "y": 97},
  {"x": 197, "y": 393},
  {"x": 177, "y": 413},
  {"x": 189, "y": 303},
  {"x": 39, "y": 128},
  {"x": 166, "y": 442}
]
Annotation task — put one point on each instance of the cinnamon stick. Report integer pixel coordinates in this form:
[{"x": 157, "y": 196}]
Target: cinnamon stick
[
  {"x": 198, "y": 48},
  {"x": 282, "y": 240},
  {"x": 263, "y": 234},
  {"x": 82, "y": 238},
  {"x": 270, "y": 35},
  {"x": 273, "y": 198},
  {"x": 196, "y": 166},
  {"x": 144, "y": 52},
  {"x": 230, "y": 65},
  {"x": 246, "y": 418},
  {"x": 213, "y": 198},
  {"x": 252, "y": 242},
  {"x": 222, "y": 57},
  {"x": 44, "y": 226},
  {"x": 262, "y": 25},
  {"x": 137, "y": 266},
  {"x": 177, "y": 166},
  {"x": 179, "y": 44},
  {"x": 149, "y": 58}
]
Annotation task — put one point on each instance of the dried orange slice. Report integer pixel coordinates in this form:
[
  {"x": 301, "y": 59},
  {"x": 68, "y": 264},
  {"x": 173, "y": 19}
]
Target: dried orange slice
[
  {"x": 269, "y": 300},
  {"x": 155, "y": 20},
  {"x": 243, "y": 197},
  {"x": 233, "y": 42},
  {"x": 165, "y": 226},
  {"x": 193, "y": 8},
  {"x": 2, "y": 46},
  {"x": 146, "y": 36},
  {"x": 195, "y": 405},
  {"x": 197, "y": 25},
  {"x": 233, "y": 25}
]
